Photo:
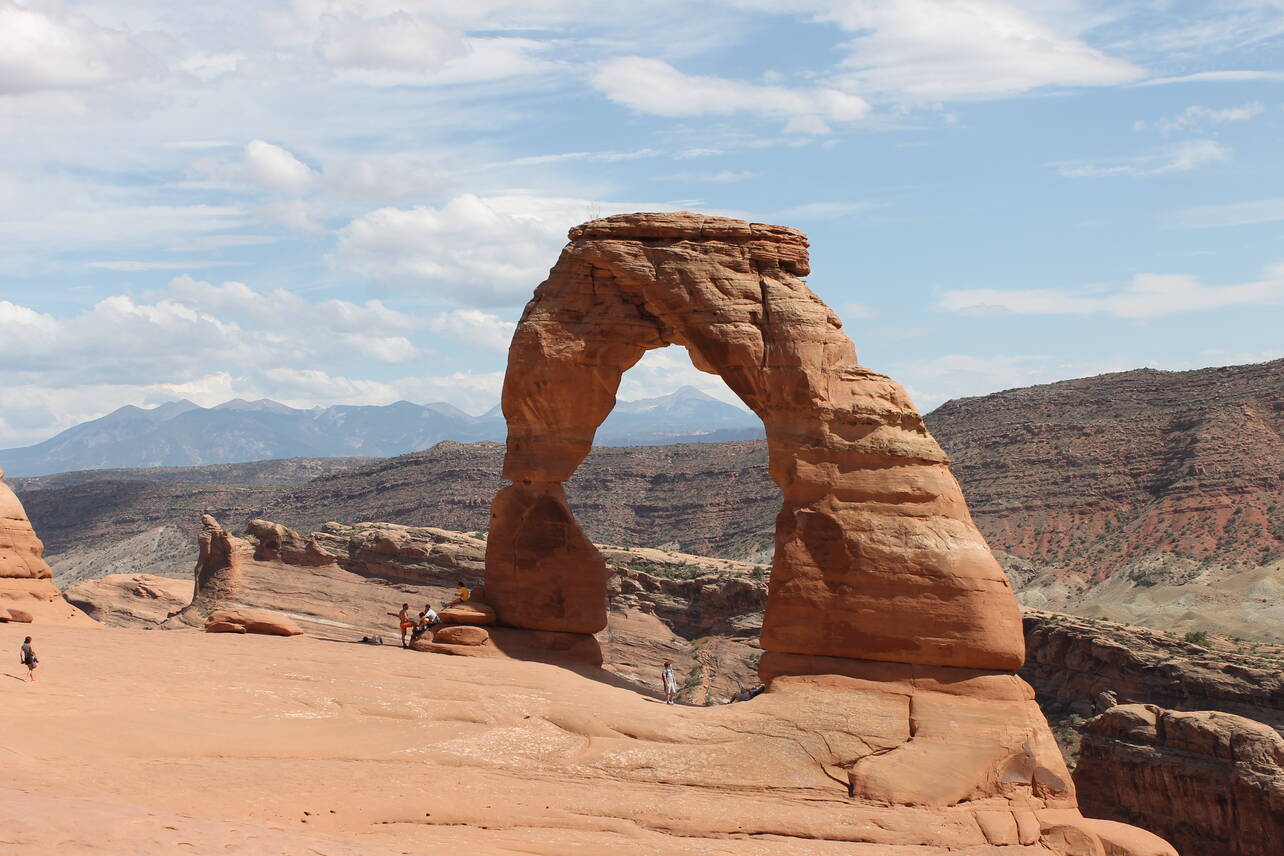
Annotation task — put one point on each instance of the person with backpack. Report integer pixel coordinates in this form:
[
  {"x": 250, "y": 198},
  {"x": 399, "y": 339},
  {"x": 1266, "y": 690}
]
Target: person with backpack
[{"x": 29, "y": 658}]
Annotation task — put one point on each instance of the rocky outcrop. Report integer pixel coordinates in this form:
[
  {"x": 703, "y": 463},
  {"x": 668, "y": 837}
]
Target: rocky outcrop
[
  {"x": 339, "y": 582},
  {"x": 263, "y": 622},
  {"x": 26, "y": 591},
  {"x": 130, "y": 600},
  {"x": 1212, "y": 783},
  {"x": 876, "y": 556},
  {"x": 1071, "y": 660}
]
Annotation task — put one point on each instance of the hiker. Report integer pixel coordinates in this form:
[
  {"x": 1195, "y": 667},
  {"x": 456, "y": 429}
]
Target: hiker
[
  {"x": 670, "y": 683},
  {"x": 464, "y": 592},
  {"x": 406, "y": 623},
  {"x": 427, "y": 621},
  {"x": 29, "y": 658}
]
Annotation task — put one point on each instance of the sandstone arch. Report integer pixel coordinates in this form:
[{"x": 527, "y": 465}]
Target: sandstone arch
[{"x": 876, "y": 555}]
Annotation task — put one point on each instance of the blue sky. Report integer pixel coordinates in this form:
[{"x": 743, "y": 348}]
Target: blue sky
[{"x": 339, "y": 201}]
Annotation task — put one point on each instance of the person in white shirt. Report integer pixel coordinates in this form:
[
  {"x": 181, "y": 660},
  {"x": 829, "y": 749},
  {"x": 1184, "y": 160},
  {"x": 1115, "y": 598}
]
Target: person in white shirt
[{"x": 670, "y": 683}]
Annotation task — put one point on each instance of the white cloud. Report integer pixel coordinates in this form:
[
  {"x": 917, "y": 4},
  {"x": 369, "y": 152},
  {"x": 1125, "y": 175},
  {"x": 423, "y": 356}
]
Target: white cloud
[
  {"x": 44, "y": 47},
  {"x": 1182, "y": 157},
  {"x": 1231, "y": 214},
  {"x": 474, "y": 251},
  {"x": 1148, "y": 296},
  {"x": 657, "y": 88},
  {"x": 397, "y": 41},
  {"x": 1216, "y": 77},
  {"x": 943, "y": 50},
  {"x": 1198, "y": 115},
  {"x": 480, "y": 329},
  {"x": 273, "y": 168}
]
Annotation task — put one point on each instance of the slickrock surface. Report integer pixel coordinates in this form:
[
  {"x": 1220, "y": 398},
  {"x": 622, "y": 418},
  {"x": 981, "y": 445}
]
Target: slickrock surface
[
  {"x": 130, "y": 600},
  {"x": 876, "y": 556},
  {"x": 26, "y": 592},
  {"x": 1211, "y": 783},
  {"x": 289, "y": 746}
]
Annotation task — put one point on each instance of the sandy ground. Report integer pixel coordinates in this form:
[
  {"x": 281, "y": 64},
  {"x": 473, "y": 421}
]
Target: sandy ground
[{"x": 135, "y": 741}]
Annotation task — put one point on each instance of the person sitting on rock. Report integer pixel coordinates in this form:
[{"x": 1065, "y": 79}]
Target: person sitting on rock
[
  {"x": 427, "y": 621},
  {"x": 29, "y": 658},
  {"x": 464, "y": 592},
  {"x": 406, "y": 623},
  {"x": 670, "y": 683}
]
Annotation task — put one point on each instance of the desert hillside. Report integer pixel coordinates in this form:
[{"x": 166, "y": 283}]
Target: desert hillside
[{"x": 1145, "y": 496}]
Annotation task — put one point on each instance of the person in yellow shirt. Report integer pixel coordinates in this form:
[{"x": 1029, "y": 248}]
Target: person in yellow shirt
[{"x": 464, "y": 592}]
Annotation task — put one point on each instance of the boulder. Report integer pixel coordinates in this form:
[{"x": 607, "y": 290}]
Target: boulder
[
  {"x": 472, "y": 612},
  {"x": 461, "y": 634},
  {"x": 14, "y": 614},
  {"x": 261, "y": 621}
]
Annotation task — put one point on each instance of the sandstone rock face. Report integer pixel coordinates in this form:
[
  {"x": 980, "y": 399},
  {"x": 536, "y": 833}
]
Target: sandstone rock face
[
  {"x": 25, "y": 586},
  {"x": 262, "y": 621},
  {"x": 1210, "y": 782},
  {"x": 130, "y": 600},
  {"x": 876, "y": 556}
]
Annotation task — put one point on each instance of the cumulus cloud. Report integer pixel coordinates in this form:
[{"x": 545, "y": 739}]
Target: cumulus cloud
[
  {"x": 481, "y": 329},
  {"x": 44, "y": 47},
  {"x": 944, "y": 50},
  {"x": 271, "y": 167},
  {"x": 473, "y": 250},
  {"x": 1148, "y": 296},
  {"x": 657, "y": 88},
  {"x": 1182, "y": 157}
]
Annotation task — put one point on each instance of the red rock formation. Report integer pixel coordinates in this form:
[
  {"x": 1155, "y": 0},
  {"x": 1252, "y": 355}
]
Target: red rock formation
[
  {"x": 883, "y": 595},
  {"x": 130, "y": 600},
  {"x": 1210, "y": 782},
  {"x": 264, "y": 622},
  {"x": 876, "y": 556},
  {"x": 26, "y": 591}
]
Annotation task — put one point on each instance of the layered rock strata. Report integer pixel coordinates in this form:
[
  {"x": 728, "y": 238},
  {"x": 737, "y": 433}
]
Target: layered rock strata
[
  {"x": 1211, "y": 783},
  {"x": 1071, "y": 660},
  {"x": 876, "y": 556},
  {"x": 26, "y": 591}
]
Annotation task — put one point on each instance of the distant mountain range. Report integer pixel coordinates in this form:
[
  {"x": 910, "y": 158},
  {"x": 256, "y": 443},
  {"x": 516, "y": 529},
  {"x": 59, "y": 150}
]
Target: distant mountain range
[{"x": 183, "y": 434}]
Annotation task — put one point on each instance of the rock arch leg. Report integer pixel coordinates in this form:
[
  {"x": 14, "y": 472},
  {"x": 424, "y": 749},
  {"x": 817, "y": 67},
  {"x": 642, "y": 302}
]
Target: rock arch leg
[{"x": 576, "y": 338}]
